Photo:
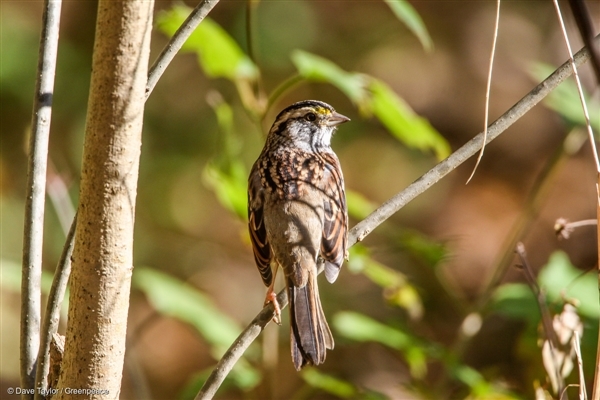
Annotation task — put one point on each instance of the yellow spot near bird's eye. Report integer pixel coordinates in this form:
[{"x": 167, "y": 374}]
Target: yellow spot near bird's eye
[{"x": 322, "y": 111}]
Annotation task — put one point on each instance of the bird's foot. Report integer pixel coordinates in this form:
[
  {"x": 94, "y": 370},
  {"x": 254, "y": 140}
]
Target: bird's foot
[{"x": 272, "y": 298}]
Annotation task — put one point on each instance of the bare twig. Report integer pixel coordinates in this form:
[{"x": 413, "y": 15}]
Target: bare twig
[
  {"x": 563, "y": 228},
  {"x": 36, "y": 191},
  {"x": 548, "y": 330},
  {"x": 488, "y": 90},
  {"x": 579, "y": 88},
  {"x": 586, "y": 29},
  {"x": 52, "y": 317},
  {"x": 539, "y": 294},
  {"x": 577, "y": 347},
  {"x": 238, "y": 348},
  {"x": 178, "y": 39},
  {"x": 386, "y": 210}
]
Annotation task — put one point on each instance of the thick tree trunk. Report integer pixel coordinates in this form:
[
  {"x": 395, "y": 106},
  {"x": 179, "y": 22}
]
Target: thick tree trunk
[{"x": 102, "y": 258}]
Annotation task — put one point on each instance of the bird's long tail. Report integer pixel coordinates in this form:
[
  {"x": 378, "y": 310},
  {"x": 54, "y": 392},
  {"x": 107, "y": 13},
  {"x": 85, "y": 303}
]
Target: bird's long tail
[{"x": 310, "y": 334}]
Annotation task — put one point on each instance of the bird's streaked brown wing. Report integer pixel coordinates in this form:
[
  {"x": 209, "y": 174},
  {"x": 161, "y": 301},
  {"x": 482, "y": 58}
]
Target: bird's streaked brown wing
[
  {"x": 335, "y": 224},
  {"x": 256, "y": 227}
]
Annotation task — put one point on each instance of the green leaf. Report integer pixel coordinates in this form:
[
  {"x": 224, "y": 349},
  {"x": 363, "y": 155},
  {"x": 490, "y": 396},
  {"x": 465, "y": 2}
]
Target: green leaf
[
  {"x": 402, "y": 122},
  {"x": 361, "y": 328},
  {"x": 397, "y": 289},
  {"x": 218, "y": 53},
  {"x": 560, "y": 279},
  {"x": 409, "y": 16},
  {"x": 473, "y": 379},
  {"x": 516, "y": 300},
  {"x": 565, "y": 99},
  {"x": 374, "y": 96},
  {"x": 318, "y": 69},
  {"x": 328, "y": 383}
]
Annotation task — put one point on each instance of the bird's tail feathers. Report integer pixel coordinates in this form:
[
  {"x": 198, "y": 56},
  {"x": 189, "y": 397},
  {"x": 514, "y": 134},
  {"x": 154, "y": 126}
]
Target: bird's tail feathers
[{"x": 310, "y": 335}]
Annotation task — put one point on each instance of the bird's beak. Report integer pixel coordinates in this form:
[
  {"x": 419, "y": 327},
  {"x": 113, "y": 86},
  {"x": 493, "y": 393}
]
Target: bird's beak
[{"x": 336, "y": 119}]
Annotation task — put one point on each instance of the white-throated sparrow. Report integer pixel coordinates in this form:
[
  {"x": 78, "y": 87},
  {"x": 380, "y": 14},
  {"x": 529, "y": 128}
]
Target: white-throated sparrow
[{"x": 297, "y": 214}]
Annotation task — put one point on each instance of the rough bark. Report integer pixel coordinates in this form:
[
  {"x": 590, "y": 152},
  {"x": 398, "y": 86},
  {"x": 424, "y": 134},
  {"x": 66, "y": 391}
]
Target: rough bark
[{"x": 102, "y": 258}]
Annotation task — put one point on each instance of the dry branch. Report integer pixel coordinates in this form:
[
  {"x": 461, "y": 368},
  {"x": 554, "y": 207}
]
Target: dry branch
[
  {"x": 175, "y": 43},
  {"x": 36, "y": 190}
]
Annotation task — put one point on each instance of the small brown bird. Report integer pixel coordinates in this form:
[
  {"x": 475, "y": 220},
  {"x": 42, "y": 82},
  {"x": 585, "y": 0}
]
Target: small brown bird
[{"x": 297, "y": 216}]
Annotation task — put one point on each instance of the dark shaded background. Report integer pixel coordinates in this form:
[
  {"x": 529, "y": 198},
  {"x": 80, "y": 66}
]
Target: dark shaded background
[{"x": 182, "y": 229}]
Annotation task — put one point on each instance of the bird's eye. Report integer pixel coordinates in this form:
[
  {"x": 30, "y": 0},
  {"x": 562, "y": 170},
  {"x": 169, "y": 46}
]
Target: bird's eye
[{"x": 311, "y": 117}]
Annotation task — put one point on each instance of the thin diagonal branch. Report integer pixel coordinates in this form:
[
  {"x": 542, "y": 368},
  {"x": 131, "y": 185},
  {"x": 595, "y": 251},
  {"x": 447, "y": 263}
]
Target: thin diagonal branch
[
  {"x": 547, "y": 326},
  {"x": 36, "y": 190},
  {"x": 237, "y": 349},
  {"x": 178, "y": 39},
  {"x": 366, "y": 226},
  {"x": 52, "y": 317}
]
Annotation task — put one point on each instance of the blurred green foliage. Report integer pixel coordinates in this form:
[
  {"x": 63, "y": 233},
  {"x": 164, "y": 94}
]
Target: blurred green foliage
[
  {"x": 398, "y": 299},
  {"x": 218, "y": 54},
  {"x": 176, "y": 299},
  {"x": 411, "y": 18},
  {"x": 373, "y": 96},
  {"x": 337, "y": 387}
]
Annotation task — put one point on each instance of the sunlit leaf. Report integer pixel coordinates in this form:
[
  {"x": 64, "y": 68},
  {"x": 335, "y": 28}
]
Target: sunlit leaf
[
  {"x": 409, "y": 16},
  {"x": 480, "y": 388},
  {"x": 401, "y": 120},
  {"x": 218, "y": 53},
  {"x": 319, "y": 69},
  {"x": 469, "y": 377},
  {"x": 361, "y": 328},
  {"x": 565, "y": 99},
  {"x": 560, "y": 279}
]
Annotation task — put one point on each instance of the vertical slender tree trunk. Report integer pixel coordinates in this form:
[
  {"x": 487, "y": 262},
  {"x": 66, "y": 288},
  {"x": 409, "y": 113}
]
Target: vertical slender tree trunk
[{"x": 102, "y": 258}]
